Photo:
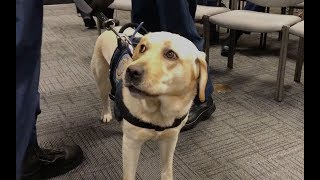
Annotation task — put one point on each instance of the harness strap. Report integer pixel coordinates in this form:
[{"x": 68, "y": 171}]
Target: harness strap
[
  {"x": 121, "y": 51},
  {"x": 113, "y": 67},
  {"x": 122, "y": 112}
]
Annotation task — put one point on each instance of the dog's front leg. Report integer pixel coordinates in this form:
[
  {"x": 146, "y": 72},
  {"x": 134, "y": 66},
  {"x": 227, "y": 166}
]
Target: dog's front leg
[
  {"x": 100, "y": 69},
  {"x": 167, "y": 148},
  {"x": 130, "y": 156}
]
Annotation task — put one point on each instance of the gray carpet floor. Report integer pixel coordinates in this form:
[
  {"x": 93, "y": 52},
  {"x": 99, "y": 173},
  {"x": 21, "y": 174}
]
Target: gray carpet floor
[{"x": 250, "y": 136}]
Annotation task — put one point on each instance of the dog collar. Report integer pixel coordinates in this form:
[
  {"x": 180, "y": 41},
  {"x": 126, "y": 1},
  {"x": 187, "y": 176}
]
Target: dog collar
[{"x": 122, "y": 112}]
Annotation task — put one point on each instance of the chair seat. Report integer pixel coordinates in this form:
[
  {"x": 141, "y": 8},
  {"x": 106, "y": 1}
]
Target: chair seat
[
  {"x": 253, "y": 21},
  {"x": 297, "y": 29},
  {"x": 209, "y": 11},
  {"x": 124, "y": 5}
]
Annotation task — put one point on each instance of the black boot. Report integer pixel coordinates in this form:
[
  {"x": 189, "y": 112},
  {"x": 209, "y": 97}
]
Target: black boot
[
  {"x": 199, "y": 113},
  {"x": 31, "y": 165},
  {"x": 46, "y": 163},
  {"x": 225, "y": 47}
]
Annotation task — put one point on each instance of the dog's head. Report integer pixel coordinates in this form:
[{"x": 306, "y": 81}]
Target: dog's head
[{"x": 166, "y": 64}]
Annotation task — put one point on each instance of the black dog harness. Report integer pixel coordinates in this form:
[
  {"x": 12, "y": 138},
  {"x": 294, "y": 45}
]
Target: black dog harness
[{"x": 121, "y": 56}]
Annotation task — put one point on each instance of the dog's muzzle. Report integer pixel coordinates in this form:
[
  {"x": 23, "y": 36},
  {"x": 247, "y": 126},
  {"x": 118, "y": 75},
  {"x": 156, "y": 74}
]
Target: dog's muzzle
[{"x": 134, "y": 74}]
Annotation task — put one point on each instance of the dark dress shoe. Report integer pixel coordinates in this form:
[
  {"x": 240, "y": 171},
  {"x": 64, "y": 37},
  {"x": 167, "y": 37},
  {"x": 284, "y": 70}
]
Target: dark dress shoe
[
  {"x": 225, "y": 51},
  {"x": 199, "y": 112},
  {"x": 117, "y": 22},
  {"x": 90, "y": 23},
  {"x": 225, "y": 47},
  {"x": 46, "y": 163}
]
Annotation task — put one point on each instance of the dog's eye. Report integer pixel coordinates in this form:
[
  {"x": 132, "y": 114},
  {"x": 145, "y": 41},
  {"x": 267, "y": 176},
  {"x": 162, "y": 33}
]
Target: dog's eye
[
  {"x": 171, "y": 54},
  {"x": 143, "y": 48}
]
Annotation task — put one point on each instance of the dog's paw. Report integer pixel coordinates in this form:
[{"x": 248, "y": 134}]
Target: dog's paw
[{"x": 106, "y": 118}]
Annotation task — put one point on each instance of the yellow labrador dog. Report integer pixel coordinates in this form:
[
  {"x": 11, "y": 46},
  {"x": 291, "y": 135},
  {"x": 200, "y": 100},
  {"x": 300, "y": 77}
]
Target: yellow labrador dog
[{"x": 157, "y": 90}]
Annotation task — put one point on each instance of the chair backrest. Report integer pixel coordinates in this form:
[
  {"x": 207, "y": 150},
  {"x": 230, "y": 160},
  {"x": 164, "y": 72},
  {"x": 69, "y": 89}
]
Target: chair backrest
[{"x": 276, "y": 3}]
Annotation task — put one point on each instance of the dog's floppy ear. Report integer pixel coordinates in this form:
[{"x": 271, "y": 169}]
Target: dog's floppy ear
[{"x": 203, "y": 75}]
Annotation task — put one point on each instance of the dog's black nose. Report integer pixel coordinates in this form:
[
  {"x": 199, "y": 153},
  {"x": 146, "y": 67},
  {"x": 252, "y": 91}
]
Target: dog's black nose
[{"x": 134, "y": 73}]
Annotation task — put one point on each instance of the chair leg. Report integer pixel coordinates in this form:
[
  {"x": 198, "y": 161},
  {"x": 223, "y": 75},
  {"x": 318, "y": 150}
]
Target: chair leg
[
  {"x": 206, "y": 35},
  {"x": 263, "y": 36},
  {"x": 290, "y": 10},
  {"x": 280, "y": 36},
  {"x": 283, "y": 11},
  {"x": 99, "y": 25},
  {"x": 243, "y": 4},
  {"x": 263, "y": 40},
  {"x": 282, "y": 63},
  {"x": 264, "y": 45},
  {"x": 299, "y": 62},
  {"x": 218, "y": 33},
  {"x": 232, "y": 47}
]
